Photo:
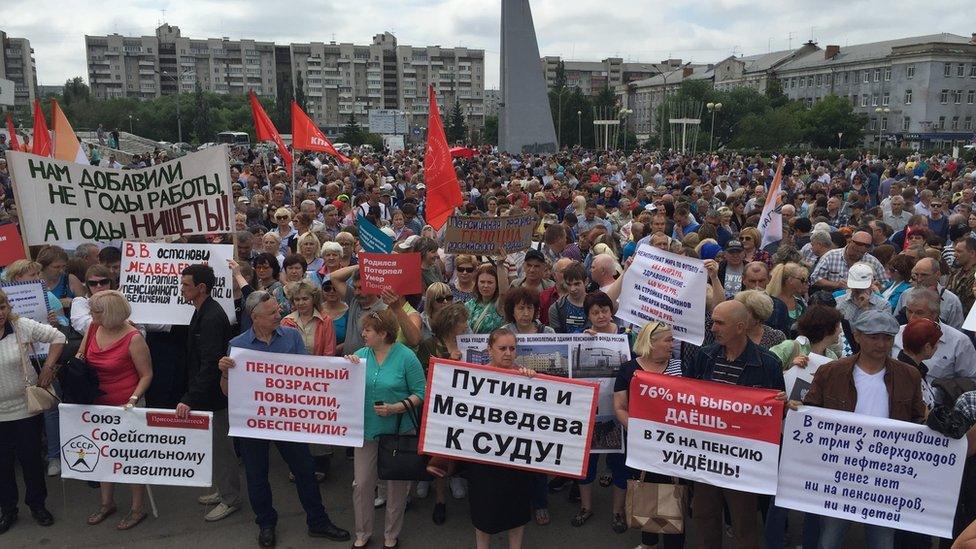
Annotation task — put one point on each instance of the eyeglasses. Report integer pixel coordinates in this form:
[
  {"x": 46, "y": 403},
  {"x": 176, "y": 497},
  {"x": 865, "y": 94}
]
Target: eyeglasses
[
  {"x": 443, "y": 298},
  {"x": 744, "y": 238},
  {"x": 464, "y": 269},
  {"x": 94, "y": 282},
  {"x": 282, "y": 217}
]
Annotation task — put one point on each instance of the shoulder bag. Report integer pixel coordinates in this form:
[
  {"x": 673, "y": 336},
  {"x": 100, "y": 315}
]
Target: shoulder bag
[
  {"x": 79, "y": 382},
  {"x": 397, "y": 457},
  {"x": 655, "y": 507},
  {"x": 39, "y": 399}
]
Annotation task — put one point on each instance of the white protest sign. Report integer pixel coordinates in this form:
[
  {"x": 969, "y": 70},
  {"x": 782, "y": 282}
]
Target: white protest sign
[
  {"x": 137, "y": 446},
  {"x": 150, "y": 280},
  {"x": 798, "y": 380},
  {"x": 870, "y": 470},
  {"x": 668, "y": 287},
  {"x": 499, "y": 417},
  {"x": 970, "y": 322},
  {"x": 297, "y": 398},
  {"x": 66, "y": 203},
  {"x": 595, "y": 358},
  {"x": 28, "y": 299}
]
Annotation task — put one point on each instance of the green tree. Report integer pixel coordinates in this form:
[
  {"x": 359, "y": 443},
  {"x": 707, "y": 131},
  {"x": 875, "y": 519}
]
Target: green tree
[
  {"x": 771, "y": 129},
  {"x": 560, "y": 82},
  {"x": 352, "y": 133},
  {"x": 456, "y": 129},
  {"x": 774, "y": 92},
  {"x": 831, "y": 116},
  {"x": 203, "y": 130},
  {"x": 299, "y": 97},
  {"x": 281, "y": 114},
  {"x": 490, "y": 132},
  {"x": 75, "y": 91}
]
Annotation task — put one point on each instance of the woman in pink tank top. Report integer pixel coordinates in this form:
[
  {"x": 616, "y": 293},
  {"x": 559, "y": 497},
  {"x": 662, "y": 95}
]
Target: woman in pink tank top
[{"x": 120, "y": 357}]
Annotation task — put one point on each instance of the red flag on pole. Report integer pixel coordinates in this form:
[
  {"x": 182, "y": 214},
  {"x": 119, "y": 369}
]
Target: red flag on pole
[
  {"x": 443, "y": 189},
  {"x": 12, "y": 137},
  {"x": 265, "y": 129},
  {"x": 306, "y": 136},
  {"x": 42, "y": 138}
]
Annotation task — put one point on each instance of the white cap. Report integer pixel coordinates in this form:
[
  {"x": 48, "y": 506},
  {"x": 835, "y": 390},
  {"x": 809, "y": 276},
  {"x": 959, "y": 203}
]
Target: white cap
[{"x": 860, "y": 276}]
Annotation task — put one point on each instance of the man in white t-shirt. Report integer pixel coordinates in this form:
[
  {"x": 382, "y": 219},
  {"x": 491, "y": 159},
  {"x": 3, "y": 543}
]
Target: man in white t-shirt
[{"x": 871, "y": 383}]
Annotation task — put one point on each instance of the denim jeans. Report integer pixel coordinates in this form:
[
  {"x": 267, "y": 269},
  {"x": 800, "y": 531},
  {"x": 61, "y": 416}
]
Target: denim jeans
[
  {"x": 254, "y": 452},
  {"x": 832, "y": 531}
]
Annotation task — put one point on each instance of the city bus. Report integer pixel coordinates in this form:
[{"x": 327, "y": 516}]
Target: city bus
[{"x": 234, "y": 139}]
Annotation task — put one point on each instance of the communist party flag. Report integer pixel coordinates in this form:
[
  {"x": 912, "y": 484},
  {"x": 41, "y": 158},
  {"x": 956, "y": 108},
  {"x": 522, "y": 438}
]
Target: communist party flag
[
  {"x": 12, "y": 134},
  {"x": 771, "y": 220},
  {"x": 66, "y": 145},
  {"x": 42, "y": 138},
  {"x": 443, "y": 189},
  {"x": 266, "y": 130},
  {"x": 306, "y": 136}
]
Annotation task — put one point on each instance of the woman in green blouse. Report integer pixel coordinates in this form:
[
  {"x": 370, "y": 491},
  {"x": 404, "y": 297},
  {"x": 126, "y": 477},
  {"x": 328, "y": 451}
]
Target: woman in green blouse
[
  {"x": 393, "y": 376},
  {"x": 486, "y": 309}
]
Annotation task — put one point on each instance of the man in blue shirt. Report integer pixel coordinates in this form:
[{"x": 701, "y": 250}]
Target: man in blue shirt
[{"x": 266, "y": 334}]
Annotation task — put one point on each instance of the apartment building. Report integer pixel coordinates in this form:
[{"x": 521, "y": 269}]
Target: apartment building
[
  {"x": 17, "y": 64},
  {"x": 592, "y": 77}
]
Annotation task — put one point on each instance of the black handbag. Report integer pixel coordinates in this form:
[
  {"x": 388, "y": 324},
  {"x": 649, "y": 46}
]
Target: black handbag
[
  {"x": 79, "y": 382},
  {"x": 397, "y": 457}
]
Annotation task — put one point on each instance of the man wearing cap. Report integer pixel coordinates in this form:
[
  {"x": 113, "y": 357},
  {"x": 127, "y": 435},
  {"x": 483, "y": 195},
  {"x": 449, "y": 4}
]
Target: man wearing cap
[
  {"x": 832, "y": 268},
  {"x": 926, "y": 274},
  {"x": 732, "y": 268},
  {"x": 873, "y": 384},
  {"x": 534, "y": 266}
]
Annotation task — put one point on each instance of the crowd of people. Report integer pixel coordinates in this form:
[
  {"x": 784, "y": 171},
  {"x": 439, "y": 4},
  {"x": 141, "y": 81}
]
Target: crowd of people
[{"x": 875, "y": 271}]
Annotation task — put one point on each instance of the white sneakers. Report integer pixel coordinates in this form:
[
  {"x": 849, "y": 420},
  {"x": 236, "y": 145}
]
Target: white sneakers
[
  {"x": 54, "y": 467},
  {"x": 458, "y": 488},
  {"x": 221, "y": 511},
  {"x": 423, "y": 488},
  {"x": 209, "y": 499}
]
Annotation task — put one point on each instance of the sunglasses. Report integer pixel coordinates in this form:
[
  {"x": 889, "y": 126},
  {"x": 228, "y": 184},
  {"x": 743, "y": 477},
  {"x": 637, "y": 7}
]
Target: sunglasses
[
  {"x": 443, "y": 298},
  {"x": 282, "y": 217},
  {"x": 465, "y": 269},
  {"x": 94, "y": 282}
]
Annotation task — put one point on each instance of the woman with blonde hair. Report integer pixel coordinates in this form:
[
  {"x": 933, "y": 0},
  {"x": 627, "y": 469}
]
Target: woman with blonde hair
[
  {"x": 437, "y": 297},
  {"x": 463, "y": 287},
  {"x": 751, "y": 239},
  {"x": 760, "y": 308},
  {"x": 308, "y": 248},
  {"x": 285, "y": 231},
  {"x": 788, "y": 286},
  {"x": 120, "y": 357}
]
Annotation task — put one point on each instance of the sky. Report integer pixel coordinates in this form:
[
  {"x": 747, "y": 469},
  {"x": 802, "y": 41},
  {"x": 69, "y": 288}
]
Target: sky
[{"x": 644, "y": 31}]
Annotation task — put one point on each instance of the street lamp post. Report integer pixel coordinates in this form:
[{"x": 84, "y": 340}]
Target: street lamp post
[
  {"x": 839, "y": 135},
  {"x": 179, "y": 120},
  {"x": 882, "y": 112},
  {"x": 712, "y": 108},
  {"x": 579, "y": 128},
  {"x": 130, "y": 123},
  {"x": 624, "y": 113},
  {"x": 559, "y": 117}
]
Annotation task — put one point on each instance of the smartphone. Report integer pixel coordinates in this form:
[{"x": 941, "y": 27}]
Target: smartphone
[{"x": 378, "y": 403}]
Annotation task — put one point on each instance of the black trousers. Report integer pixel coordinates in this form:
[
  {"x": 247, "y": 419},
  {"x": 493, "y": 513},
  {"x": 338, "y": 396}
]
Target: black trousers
[{"x": 21, "y": 439}]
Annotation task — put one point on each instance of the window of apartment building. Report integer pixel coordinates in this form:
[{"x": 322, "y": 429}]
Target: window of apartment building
[
  {"x": 866, "y": 76},
  {"x": 845, "y": 77},
  {"x": 960, "y": 70},
  {"x": 873, "y": 124},
  {"x": 792, "y": 82},
  {"x": 910, "y": 72},
  {"x": 874, "y": 100},
  {"x": 947, "y": 70},
  {"x": 971, "y": 96},
  {"x": 864, "y": 100},
  {"x": 810, "y": 80},
  {"x": 885, "y": 99},
  {"x": 968, "y": 124},
  {"x": 944, "y": 97},
  {"x": 941, "y": 122},
  {"x": 972, "y": 70},
  {"x": 877, "y": 75},
  {"x": 957, "y": 96},
  {"x": 955, "y": 123},
  {"x": 908, "y": 97},
  {"x": 803, "y": 82},
  {"x": 819, "y": 79},
  {"x": 887, "y": 74},
  {"x": 884, "y": 123},
  {"x": 905, "y": 123}
]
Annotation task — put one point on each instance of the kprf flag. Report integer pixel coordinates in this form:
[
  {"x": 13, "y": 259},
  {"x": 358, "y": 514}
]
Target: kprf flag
[
  {"x": 14, "y": 144},
  {"x": 42, "y": 137},
  {"x": 265, "y": 130},
  {"x": 306, "y": 136},
  {"x": 66, "y": 145},
  {"x": 771, "y": 220},
  {"x": 443, "y": 189}
]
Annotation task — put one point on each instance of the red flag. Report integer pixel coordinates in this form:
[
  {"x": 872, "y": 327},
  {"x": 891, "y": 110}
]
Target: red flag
[
  {"x": 14, "y": 144},
  {"x": 306, "y": 136},
  {"x": 265, "y": 129},
  {"x": 443, "y": 189},
  {"x": 42, "y": 138}
]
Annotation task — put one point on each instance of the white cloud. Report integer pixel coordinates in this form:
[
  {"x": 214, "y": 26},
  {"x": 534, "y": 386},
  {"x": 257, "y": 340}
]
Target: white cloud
[{"x": 644, "y": 30}]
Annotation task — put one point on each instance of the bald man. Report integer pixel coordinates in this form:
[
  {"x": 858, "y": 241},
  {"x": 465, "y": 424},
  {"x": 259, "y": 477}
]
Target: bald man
[
  {"x": 603, "y": 271},
  {"x": 832, "y": 268},
  {"x": 926, "y": 274},
  {"x": 736, "y": 360}
]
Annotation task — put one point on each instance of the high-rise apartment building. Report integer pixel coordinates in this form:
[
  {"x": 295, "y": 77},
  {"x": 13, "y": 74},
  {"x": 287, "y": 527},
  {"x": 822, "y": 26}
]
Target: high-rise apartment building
[
  {"x": 17, "y": 64},
  {"x": 591, "y": 77}
]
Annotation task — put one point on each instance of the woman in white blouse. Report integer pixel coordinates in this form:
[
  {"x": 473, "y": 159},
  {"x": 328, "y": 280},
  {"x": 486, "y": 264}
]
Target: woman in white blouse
[{"x": 20, "y": 430}]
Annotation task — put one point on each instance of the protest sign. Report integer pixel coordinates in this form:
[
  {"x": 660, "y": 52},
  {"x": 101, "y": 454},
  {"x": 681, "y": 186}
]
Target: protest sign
[
  {"x": 28, "y": 299},
  {"x": 371, "y": 238},
  {"x": 483, "y": 235},
  {"x": 970, "y": 322},
  {"x": 798, "y": 380},
  {"x": 397, "y": 272},
  {"x": 499, "y": 417},
  {"x": 297, "y": 398},
  {"x": 595, "y": 358},
  {"x": 66, "y": 203},
  {"x": 11, "y": 245},
  {"x": 150, "y": 279},
  {"x": 668, "y": 287},
  {"x": 137, "y": 446},
  {"x": 870, "y": 470},
  {"x": 719, "y": 434}
]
